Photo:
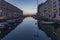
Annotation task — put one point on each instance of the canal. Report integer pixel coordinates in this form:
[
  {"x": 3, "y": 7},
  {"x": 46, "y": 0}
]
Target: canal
[{"x": 27, "y": 30}]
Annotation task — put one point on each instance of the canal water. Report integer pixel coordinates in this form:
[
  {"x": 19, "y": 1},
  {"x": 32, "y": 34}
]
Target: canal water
[{"x": 27, "y": 30}]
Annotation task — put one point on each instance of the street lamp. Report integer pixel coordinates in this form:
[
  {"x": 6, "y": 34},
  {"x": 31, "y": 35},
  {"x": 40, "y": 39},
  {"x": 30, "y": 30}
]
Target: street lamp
[
  {"x": 37, "y": 2},
  {"x": 37, "y": 5}
]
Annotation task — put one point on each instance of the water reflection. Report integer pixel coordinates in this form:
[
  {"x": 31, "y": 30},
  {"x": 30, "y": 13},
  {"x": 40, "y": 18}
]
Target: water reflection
[
  {"x": 31, "y": 29},
  {"x": 27, "y": 30},
  {"x": 52, "y": 30},
  {"x": 9, "y": 27}
]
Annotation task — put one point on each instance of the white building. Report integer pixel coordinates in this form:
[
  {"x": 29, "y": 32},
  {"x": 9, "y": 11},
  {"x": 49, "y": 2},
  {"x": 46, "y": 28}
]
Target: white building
[{"x": 50, "y": 8}]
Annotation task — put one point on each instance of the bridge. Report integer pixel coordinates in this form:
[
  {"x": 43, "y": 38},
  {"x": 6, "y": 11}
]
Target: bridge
[{"x": 28, "y": 15}]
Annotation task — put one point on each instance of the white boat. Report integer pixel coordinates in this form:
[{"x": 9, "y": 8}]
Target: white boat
[
  {"x": 47, "y": 22},
  {"x": 11, "y": 21}
]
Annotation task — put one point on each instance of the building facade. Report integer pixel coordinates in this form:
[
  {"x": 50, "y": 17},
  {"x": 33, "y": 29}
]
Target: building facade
[
  {"x": 50, "y": 8},
  {"x": 9, "y": 11}
]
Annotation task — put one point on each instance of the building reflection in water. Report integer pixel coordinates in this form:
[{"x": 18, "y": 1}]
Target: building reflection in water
[
  {"x": 9, "y": 28},
  {"x": 52, "y": 30}
]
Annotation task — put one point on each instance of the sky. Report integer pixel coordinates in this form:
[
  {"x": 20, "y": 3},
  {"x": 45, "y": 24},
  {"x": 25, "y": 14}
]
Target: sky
[{"x": 28, "y": 6}]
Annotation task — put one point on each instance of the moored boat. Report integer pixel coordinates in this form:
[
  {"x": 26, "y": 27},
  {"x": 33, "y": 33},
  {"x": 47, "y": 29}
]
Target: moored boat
[{"x": 47, "y": 22}]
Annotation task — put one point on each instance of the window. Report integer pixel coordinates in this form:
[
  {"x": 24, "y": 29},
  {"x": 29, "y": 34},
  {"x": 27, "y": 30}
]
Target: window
[
  {"x": 59, "y": 4},
  {"x": 54, "y": 6},
  {"x": 59, "y": 0},
  {"x": 0, "y": 10},
  {"x": 59, "y": 8},
  {"x": 54, "y": 2},
  {"x": 54, "y": 10},
  {"x": 14, "y": 12},
  {"x": 59, "y": 14}
]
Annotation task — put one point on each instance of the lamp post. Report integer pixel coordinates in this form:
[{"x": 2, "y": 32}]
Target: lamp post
[
  {"x": 37, "y": 2},
  {"x": 37, "y": 5}
]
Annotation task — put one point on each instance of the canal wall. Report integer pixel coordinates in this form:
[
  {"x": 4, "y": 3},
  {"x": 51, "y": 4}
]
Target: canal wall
[
  {"x": 52, "y": 30},
  {"x": 9, "y": 28}
]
